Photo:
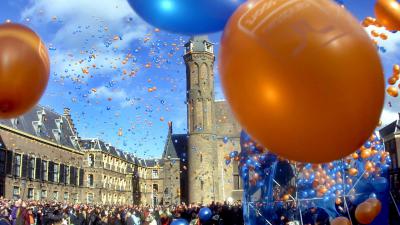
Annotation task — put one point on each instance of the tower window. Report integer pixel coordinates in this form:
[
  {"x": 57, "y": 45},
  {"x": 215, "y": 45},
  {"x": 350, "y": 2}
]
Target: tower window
[{"x": 202, "y": 185}]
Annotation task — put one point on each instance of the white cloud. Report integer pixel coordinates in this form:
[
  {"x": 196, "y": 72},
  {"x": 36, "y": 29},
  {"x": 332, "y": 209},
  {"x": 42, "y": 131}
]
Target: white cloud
[
  {"x": 82, "y": 20},
  {"x": 388, "y": 116},
  {"x": 104, "y": 92}
]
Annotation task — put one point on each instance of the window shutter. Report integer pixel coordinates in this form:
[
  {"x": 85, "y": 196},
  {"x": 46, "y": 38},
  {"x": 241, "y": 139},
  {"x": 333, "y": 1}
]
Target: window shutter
[
  {"x": 51, "y": 172},
  {"x": 9, "y": 162},
  {"x": 62, "y": 177},
  {"x": 72, "y": 176},
  {"x": 24, "y": 172},
  {"x": 38, "y": 168},
  {"x": 81, "y": 175}
]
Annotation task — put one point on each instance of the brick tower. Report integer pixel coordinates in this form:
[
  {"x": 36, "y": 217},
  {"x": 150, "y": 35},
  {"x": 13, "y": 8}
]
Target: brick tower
[{"x": 202, "y": 146}]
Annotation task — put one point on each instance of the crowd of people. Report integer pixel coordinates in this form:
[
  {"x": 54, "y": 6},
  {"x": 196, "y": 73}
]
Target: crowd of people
[{"x": 55, "y": 213}]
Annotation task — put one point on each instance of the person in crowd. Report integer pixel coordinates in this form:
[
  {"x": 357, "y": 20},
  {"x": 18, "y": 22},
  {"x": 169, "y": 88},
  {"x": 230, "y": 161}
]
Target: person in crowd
[{"x": 21, "y": 212}]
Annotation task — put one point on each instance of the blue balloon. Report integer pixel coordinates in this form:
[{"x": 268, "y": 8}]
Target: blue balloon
[
  {"x": 205, "y": 214},
  {"x": 179, "y": 222},
  {"x": 189, "y": 17},
  {"x": 380, "y": 184}
]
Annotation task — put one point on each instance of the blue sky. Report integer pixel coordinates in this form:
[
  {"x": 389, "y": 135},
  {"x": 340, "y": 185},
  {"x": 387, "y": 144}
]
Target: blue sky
[{"x": 104, "y": 59}]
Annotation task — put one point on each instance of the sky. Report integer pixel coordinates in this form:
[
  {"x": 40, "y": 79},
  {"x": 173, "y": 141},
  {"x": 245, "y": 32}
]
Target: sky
[{"x": 124, "y": 79}]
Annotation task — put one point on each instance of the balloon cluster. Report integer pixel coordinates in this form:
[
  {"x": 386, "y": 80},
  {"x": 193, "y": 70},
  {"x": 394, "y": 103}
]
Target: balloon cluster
[
  {"x": 393, "y": 90},
  {"x": 272, "y": 183}
]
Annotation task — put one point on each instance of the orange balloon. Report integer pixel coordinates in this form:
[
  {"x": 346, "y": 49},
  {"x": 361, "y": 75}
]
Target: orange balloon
[
  {"x": 368, "y": 166},
  {"x": 392, "y": 91},
  {"x": 383, "y": 36},
  {"x": 396, "y": 69},
  {"x": 289, "y": 72},
  {"x": 366, "y": 153},
  {"x": 376, "y": 205},
  {"x": 374, "y": 33},
  {"x": 392, "y": 80},
  {"x": 388, "y": 13},
  {"x": 24, "y": 69},
  {"x": 353, "y": 172},
  {"x": 285, "y": 197},
  {"x": 340, "y": 221},
  {"x": 365, "y": 213}
]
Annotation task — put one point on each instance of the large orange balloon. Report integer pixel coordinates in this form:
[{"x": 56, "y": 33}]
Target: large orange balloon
[
  {"x": 24, "y": 69},
  {"x": 340, "y": 221},
  {"x": 365, "y": 213},
  {"x": 376, "y": 205},
  {"x": 302, "y": 77},
  {"x": 388, "y": 13}
]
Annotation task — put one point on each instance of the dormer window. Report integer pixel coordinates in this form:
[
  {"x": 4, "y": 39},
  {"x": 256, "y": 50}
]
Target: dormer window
[
  {"x": 41, "y": 115},
  {"x": 57, "y": 135},
  {"x": 15, "y": 122},
  {"x": 59, "y": 123}
]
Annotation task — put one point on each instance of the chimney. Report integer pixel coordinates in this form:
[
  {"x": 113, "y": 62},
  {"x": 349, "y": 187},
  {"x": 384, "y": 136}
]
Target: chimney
[
  {"x": 170, "y": 127},
  {"x": 67, "y": 115}
]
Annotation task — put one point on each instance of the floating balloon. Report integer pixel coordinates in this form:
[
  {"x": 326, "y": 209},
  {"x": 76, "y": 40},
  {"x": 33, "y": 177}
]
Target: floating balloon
[
  {"x": 179, "y": 222},
  {"x": 185, "y": 16},
  {"x": 205, "y": 214},
  {"x": 299, "y": 91},
  {"x": 340, "y": 221},
  {"x": 392, "y": 91},
  {"x": 365, "y": 213},
  {"x": 24, "y": 69},
  {"x": 388, "y": 13}
]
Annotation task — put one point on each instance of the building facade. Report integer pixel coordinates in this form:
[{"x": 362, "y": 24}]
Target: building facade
[
  {"x": 42, "y": 156},
  {"x": 391, "y": 138}
]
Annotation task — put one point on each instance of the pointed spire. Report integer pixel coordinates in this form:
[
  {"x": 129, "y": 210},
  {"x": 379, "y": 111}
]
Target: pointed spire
[{"x": 170, "y": 127}]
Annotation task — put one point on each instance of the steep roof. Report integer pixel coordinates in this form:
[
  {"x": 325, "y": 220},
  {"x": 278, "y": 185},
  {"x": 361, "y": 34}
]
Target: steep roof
[
  {"x": 391, "y": 128},
  {"x": 97, "y": 144},
  {"x": 175, "y": 145},
  {"x": 44, "y": 123}
]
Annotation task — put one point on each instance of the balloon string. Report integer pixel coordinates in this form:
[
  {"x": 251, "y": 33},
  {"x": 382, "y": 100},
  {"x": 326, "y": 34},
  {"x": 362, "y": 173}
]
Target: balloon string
[
  {"x": 259, "y": 213},
  {"x": 394, "y": 201},
  {"x": 355, "y": 183},
  {"x": 344, "y": 198}
]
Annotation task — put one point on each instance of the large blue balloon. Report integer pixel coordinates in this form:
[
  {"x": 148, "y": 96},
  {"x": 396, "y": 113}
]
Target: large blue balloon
[
  {"x": 186, "y": 16},
  {"x": 179, "y": 222},
  {"x": 205, "y": 214}
]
